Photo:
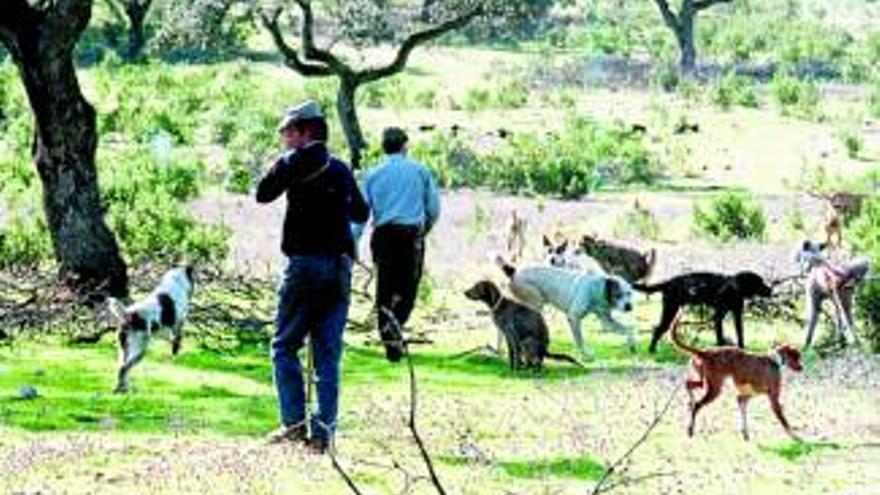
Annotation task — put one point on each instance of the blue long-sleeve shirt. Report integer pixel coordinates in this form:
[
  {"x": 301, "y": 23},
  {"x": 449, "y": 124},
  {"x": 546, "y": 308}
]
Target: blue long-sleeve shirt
[{"x": 400, "y": 191}]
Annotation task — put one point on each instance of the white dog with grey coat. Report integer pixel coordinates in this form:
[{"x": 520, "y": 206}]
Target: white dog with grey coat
[
  {"x": 574, "y": 293},
  {"x": 162, "y": 312}
]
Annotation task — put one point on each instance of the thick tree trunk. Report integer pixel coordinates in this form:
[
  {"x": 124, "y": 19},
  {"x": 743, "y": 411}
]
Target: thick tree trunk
[
  {"x": 348, "y": 118},
  {"x": 64, "y": 152},
  {"x": 685, "y": 37},
  {"x": 137, "y": 37}
]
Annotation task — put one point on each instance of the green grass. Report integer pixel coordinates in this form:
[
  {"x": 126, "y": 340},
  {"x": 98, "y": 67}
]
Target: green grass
[{"x": 583, "y": 468}]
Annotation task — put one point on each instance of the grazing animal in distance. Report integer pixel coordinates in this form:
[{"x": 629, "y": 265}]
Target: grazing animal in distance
[
  {"x": 523, "y": 328},
  {"x": 626, "y": 262},
  {"x": 161, "y": 312},
  {"x": 723, "y": 293},
  {"x": 751, "y": 375},
  {"x": 574, "y": 293}
]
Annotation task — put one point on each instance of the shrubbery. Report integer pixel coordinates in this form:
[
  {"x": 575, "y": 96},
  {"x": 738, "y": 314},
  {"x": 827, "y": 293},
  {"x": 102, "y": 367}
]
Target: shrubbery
[
  {"x": 731, "y": 89},
  {"x": 795, "y": 97},
  {"x": 731, "y": 215},
  {"x": 865, "y": 238},
  {"x": 581, "y": 158}
]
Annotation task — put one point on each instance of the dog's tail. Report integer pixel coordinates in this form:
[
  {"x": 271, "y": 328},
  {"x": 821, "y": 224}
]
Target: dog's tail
[
  {"x": 508, "y": 269},
  {"x": 564, "y": 357},
  {"x": 676, "y": 337},
  {"x": 648, "y": 288}
]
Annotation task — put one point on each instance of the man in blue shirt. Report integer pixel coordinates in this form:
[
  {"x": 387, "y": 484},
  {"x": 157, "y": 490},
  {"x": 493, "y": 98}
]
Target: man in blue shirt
[
  {"x": 313, "y": 298},
  {"x": 405, "y": 204}
]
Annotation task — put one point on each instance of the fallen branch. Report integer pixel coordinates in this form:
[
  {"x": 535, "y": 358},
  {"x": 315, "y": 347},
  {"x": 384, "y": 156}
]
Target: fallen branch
[{"x": 603, "y": 485}]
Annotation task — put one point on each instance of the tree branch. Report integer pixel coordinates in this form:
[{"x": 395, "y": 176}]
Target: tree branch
[
  {"x": 668, "y": 16},
  {"x": 602, "y": 485},
  {"x": 416, "y": 39},
  {"x": 310, "y": 50},
  {"x": 705, "y": 4},
  {"x": 291, "y": 56}
]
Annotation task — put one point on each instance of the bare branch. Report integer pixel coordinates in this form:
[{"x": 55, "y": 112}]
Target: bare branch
[
  {"x": 705, "y": 4},
  {"x": 310, "y": 49},
  {"x": 413, "y": 405},
  {"x": 339, "y": 469},
  {"x": 603, "y": 484},
  {"x": 416, "y": 39},
  {"x": 291, "y": 56}
]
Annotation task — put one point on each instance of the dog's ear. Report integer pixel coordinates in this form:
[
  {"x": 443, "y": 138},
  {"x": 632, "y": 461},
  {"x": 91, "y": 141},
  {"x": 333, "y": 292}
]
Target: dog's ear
[
  {"x": 547, "y": 242},
  {"x": 822, "y": 246},
  {"x": 613, "y": 290},
  {"x": 560, "y": 249}
]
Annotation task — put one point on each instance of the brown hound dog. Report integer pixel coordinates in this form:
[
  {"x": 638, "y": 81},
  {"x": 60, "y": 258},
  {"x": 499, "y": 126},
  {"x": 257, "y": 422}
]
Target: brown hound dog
[{"x": 752, "y": 375}]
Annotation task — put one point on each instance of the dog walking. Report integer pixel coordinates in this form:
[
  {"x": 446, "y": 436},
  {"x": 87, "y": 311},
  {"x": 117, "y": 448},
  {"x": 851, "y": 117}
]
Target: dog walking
[
  {"x": 314, "y": 293},
  {"x": 405, "y": 204}
]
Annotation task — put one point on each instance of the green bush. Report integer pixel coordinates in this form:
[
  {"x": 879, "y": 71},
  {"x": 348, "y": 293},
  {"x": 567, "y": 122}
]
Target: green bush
[
  {"x": 637, "y": 222},
  {"x": 852, "y": 141},
  {"x": 874, "y": 102},
  {"x": 731, "y": 215},
  {"x": 865, "y": 240},
  {"x": 796, "y": 97},
  {"x": 731, "y": 90},
  {"x": 24, "y": 242},
  {"x": 576, "y": 161}
]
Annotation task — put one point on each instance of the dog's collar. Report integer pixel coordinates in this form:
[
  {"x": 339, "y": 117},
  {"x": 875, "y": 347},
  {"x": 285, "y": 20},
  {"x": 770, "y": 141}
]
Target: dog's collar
[
  {"x": 777, "y": 358},
  {"x": 497, "y": 303}
]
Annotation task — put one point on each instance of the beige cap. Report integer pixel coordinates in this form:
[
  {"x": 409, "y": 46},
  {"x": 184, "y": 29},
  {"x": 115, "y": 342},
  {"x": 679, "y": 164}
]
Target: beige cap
[{"x": 306, "y": 110}]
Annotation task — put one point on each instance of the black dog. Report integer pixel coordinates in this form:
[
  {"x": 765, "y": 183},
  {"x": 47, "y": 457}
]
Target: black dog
[
  {"x": 523, "y": 328},
  {"x": 723, "y": 293}
]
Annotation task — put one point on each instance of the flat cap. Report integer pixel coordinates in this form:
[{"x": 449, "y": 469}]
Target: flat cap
[{"x": 306, "y": 110}]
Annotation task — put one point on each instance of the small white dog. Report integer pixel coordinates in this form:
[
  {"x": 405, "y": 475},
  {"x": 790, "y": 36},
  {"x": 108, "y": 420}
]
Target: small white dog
[
  {"x": 569, "y": 257},
  {"x": 574, "y": 293},
  {"x": 163, "y": 311}
]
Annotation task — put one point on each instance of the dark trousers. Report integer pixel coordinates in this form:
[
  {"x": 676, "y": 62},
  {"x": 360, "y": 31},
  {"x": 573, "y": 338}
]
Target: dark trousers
[
  {"x": 313, "y": 302},
  {"x": 398, "y": 254}
]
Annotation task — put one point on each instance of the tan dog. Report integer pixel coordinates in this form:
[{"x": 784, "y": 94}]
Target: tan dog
[
  {"x": 752, "y": 375},
  {"x": 516, "y": 236},
  {"x": 842, "y": 206}
]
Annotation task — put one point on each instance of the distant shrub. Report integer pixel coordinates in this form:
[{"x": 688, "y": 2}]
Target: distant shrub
[
  {"x": 731, "y": 216},
  {"x": 24, "y": 242},
  {"x": 581, "y": 158},
  {"x": 874, "y": 101},
  {"x": 852, "y": 141},
  {"x": 730, "y": 90},
  {"x": 503, "y": 94},
  {"x": 637, "y": 222},
  {"x": 865, "y": 239},
  {"x": 666, "y": 76},
  {"x": 796, "y": 97}
]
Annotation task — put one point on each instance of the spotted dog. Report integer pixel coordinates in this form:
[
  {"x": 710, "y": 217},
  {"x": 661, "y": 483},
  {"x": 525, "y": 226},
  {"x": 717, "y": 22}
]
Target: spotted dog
[{"x": 162, "y": 312}]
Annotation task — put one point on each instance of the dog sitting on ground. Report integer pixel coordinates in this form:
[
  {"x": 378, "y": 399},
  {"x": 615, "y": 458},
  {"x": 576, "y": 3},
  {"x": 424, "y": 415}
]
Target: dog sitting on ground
[
  {"x": 564, "y": 255},
  {"x": 162, "y": 312},
  {"x": 523, "y": 328},
  {"x": 828, "y": 281},
  {"x": 723, "y": 293},
  {"x": 626, "y": 262},
  {"x": 752, "y": 375},
  {"x": 574, "y": 293}
]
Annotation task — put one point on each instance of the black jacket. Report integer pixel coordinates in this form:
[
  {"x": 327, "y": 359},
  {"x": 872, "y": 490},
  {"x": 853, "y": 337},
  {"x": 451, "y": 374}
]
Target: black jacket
[{"x": 322, "y": 200}]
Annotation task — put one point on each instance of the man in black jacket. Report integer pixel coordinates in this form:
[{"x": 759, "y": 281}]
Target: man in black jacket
[{"x": 313, "y": 297}]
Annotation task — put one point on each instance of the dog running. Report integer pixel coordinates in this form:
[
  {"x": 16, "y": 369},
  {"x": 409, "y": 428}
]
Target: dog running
[
  {"x": 523, "y": 328},
  {"x": 574, "y": 293},
  {"x": 162, "y": 312},
  {"x": 723, "y": 293},
  {"x": 751, "y": 374},
  {"x": 626, "y": 262}
]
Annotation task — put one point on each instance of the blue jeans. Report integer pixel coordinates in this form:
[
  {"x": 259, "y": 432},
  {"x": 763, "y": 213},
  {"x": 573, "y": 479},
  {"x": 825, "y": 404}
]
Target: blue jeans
[{"x": 313, "y": 300}]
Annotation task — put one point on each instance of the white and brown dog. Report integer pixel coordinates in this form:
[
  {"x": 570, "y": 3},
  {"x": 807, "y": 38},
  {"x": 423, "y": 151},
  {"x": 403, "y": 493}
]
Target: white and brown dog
[
  {"x": 574, "y": 293},
  {"x": 826, "y": 280},
  {"x": 162, "y": 312}
]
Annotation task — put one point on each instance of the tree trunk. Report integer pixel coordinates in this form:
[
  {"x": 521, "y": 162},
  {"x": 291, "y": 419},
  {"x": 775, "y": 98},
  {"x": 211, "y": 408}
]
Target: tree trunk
[
  {"x": 685, "y": 37},
  {"x": 137, "y": 38},
  {"x": 348, "y": 118},
  {"x": 64, "y": 152}
]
